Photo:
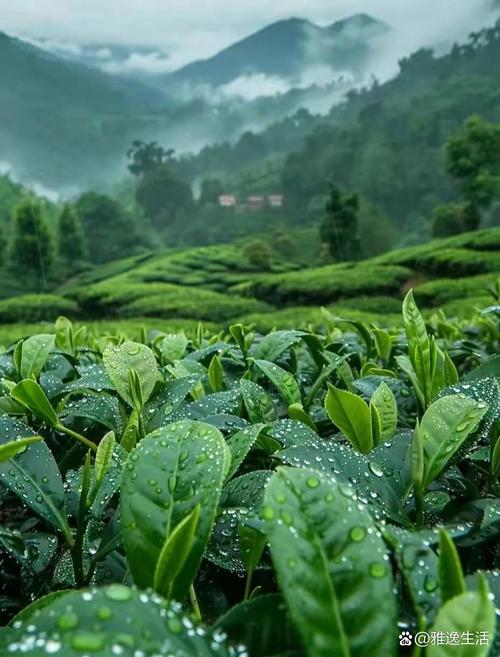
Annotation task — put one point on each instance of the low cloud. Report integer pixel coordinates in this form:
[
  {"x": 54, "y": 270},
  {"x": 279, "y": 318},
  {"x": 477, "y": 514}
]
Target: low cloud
[
  {"x": 250, "y": 87},
  {"x": 36, "y": 187},
  {"x": 152, "y": 63}
]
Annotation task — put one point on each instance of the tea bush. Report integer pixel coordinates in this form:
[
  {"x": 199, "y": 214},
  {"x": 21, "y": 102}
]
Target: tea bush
[
  {"x": 326, "y": 284},
  {"x": 295, "y": 493},
  {"x": 36, "y": 308},
  {"x": 129, "y": 299}
]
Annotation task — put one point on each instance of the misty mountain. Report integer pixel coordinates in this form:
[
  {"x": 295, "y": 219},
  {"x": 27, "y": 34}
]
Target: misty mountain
[
  {"x": 31, "y": 75},
  {"x": 288, "y": 49},
  {"x": 59, "y": 118},
  {"x": 66, "y": 124}
]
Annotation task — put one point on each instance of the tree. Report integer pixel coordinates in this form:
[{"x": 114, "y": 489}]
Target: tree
[
  {"x": 163, "y": 196},
  {"x": 473, "y": 160},
  {"x": 339, "y": 229},
  {"x": 211, "y": 189},
  {"x": 32, "y": 248},
  {"x": 377, "y": 234},
  {"x": 447, "y": 220},
  {"x": 72, "y": 249},
  {"x": 146, "y": 157},
  {"x": 454, "y": 218},
  {"x": 111, "y": 233},
  {"x": 258, "y": 253}
]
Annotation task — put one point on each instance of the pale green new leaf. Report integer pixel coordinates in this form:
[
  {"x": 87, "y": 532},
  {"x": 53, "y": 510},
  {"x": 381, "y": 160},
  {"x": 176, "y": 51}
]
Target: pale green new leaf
[
  {"x": 384, "y": 401},
  {"x": 445, "y": 427},
  {"x": 104, "y": 455},
  {"x": 469, "y": 612},
  {"x": 352, "y": 416},
  {"x": 34, "y": 353},
  {"x": 118, "y": 361},
  {"x": 13, "y": 447},
  {"x": 174, "y": 553},
  {"x": 216, "y": 374},
  {"x": 30, "y": 395},
  {"x": 451, "y": 576}
]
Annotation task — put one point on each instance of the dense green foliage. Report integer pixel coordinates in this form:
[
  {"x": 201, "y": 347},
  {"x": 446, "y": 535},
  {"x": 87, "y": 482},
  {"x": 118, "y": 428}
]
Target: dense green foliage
[
  {"x": 385, "y": 142},
  {"x": 339, "y": 230},
  {"x": 249, "y": 495},
  {"x": 32, "y": 249},
  {"x": 72, "y": 248},
  {"x": 110, "y": 231}
]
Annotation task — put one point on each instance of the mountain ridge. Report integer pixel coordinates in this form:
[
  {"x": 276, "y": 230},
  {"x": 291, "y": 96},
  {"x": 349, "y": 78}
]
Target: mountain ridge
[{"x": 284, "y": 49}]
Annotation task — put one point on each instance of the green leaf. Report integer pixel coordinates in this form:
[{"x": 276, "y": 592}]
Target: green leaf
[
  {"x": 258, "y": 403},
  {"x": 385, "y": 403},
  {"x": 34, "y": 353},
  {"x": 273, "y": 345},
  {"x": 33, "y": 475},
  {"x": 16, "y": 356},
  {"x": 65, "y": 336},
  {"x": 175, "y": 553},
  {"x": 383, "y": 343},
  {"x": 495, "y": 458},
  {"x": 135, "y": 388},
  {"x": 173, "y": 470},
  {"x": 238, "y": 333},
  {"x": 283, "y": 381},
  {"x": 418, "y": 565},
  {"x": 297, "y": 412},
  {"x": 104, "y": 455},
  {"x": 451, "y": 576},
  {"x": 417, "y": 459},
  {"x": 91, "y": 621},
  {"x": 169, "y": 397},
  {"x": 240, "y": 444},
  {"x": 351, "y": 415},
  {"x": 331, "y": 564},
  {"x": 118, "y": 361},
  {"x": 252, "y": 544},
  {"x": 172, "y": 347},
  {"x": 445, "y": 427},
  {"x": 469, "y": 612},
  {"x": 405, "y": 364},
  {"x": 14, "y": 447},
  {"x": 102, "y": 408},
  {"x": 374, "y": 483},
  {"x": 490, "y": 367},
  {"x": 30, "y": 395},
  {"x": 291, "y": 433},
  {"x": 262, "y": 625},
  {"x": 131, "y": 432},
  {"x": 241, "y": 497},
  {"x": 216, "y": 374}
]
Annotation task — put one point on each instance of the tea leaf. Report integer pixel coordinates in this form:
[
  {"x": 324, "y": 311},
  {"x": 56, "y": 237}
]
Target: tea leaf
[{"x": 331, "y": 565}]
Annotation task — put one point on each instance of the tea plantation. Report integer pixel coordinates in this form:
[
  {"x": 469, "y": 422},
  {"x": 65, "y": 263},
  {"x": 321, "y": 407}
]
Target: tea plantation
[
  {"x": 293, "y": 493},
  {"x": 219, "y": 286}
]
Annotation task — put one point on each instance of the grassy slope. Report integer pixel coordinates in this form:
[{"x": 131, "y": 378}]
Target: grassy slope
[{"x": 217, "y": 285}]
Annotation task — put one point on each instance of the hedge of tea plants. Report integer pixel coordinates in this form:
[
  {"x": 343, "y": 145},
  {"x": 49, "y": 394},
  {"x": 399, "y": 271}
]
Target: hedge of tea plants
[{"x": 293, "y": 494}]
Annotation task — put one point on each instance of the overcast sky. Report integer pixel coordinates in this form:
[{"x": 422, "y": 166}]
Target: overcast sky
[{"x": 190, "y": 29}]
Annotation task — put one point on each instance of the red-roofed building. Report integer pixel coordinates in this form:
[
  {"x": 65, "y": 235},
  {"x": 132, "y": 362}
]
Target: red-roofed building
[{"x": 227, "y": 200}]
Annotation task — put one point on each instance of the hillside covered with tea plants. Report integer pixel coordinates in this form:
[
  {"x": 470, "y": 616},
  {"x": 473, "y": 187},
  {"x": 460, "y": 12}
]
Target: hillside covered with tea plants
[
  {"x": 224, "y": 284},
  {"x": 294, "y": 493}
]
